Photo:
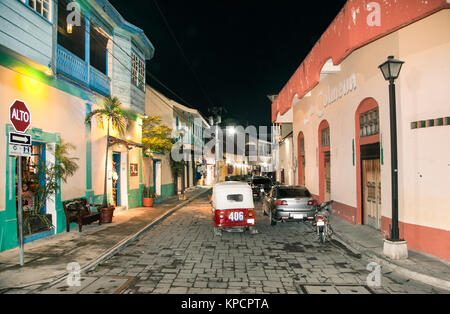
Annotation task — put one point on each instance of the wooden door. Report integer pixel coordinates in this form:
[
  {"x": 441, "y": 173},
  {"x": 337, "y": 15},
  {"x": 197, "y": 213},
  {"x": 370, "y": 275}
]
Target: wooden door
[
  {"x": 372, "y": 193},
  {"x": 327, "y": 173}
]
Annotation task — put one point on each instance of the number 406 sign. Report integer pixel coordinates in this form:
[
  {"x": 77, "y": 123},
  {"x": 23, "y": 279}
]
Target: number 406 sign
[{"x": 236, "y": 216}]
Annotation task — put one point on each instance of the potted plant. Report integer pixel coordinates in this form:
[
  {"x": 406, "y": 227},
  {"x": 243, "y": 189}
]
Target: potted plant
[
  {"x": 117, "y": 119},
  {"x": 35, "y": 220},
  {"x": 148, "y": 197}
]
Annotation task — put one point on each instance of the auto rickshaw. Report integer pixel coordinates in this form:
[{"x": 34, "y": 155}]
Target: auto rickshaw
[{"x": 233, "y": 209}]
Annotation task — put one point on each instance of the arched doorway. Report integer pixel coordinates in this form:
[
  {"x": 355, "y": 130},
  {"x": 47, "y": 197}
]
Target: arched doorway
[
  {"x": 301, "y": 159},
  {"x": 324, "y": 162},
  {"x": 368, "y": 163}
]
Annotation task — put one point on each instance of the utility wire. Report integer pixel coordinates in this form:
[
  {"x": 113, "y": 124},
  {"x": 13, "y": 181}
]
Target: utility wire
[
  {"x": 129, "y": 55},
  {"x": 183, "y": 54}
]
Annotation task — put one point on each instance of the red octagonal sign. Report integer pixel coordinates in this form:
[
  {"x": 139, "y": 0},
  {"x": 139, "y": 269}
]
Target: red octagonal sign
[{"x": 20, "y": 116}]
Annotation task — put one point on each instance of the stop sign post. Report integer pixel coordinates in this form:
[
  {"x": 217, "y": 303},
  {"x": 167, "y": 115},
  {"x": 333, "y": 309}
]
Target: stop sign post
[{"x": 20, "y": 117}]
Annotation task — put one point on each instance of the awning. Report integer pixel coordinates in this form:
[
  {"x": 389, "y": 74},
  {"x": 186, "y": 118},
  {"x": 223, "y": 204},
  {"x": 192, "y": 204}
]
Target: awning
[{"x": 129, "y": 144}]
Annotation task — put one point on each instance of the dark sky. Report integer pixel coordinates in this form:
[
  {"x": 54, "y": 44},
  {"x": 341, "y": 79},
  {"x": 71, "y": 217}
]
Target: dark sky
[{"x": 234, "y": 53}]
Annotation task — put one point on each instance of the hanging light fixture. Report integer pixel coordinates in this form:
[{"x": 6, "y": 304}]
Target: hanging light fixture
[{"x": 69, "y": 28}]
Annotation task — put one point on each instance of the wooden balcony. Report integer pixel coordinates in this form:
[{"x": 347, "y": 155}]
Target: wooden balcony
[{"x": 78, "y": 70}]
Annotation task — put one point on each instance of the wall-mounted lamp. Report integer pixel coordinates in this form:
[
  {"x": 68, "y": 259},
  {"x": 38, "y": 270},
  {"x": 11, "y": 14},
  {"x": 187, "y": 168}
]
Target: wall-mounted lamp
[
  {"x": 69, "y": 28},
  {"x": 49, "y": 71}
]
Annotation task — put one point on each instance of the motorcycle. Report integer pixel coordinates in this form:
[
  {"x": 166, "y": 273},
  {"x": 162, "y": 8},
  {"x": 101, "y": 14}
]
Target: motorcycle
[{"x": 321, "y": 222}]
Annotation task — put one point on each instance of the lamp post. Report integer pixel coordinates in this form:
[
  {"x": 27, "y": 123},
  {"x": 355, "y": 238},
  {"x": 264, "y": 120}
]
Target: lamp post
[
  {"x": 391, "y": 71},
  {"x": 216, "y": 122}
]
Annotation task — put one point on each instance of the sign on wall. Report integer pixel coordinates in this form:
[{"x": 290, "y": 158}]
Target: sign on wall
[
  {"x": 19, "y": 150},
  {"x": 134, "y": 170}
]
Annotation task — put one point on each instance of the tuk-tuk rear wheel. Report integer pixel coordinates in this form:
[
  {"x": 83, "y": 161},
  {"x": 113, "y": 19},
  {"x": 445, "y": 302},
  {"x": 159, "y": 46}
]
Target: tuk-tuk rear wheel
[{"x": 217, "y": 232}]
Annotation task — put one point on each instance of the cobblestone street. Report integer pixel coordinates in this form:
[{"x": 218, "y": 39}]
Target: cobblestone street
[{"x": 182, "y": 256}]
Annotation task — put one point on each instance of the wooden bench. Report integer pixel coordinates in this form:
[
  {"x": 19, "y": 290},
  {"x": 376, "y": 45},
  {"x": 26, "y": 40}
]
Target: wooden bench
[{"x": 79, "y": 211}]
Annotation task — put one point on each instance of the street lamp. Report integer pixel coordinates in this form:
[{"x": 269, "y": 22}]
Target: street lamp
[
  {"x": 391, "y": 71},
  {"x": 231, "y": 130},
  {"x": 216, "y": 122}
]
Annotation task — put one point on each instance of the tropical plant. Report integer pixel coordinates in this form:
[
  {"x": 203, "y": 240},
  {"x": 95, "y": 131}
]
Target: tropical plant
[
  {"x": 49, "y": 176},
  {"x": 177, "y": 167},
  {"x": 156, "y": 136},
  {"x": 66, "y": 165},
  {"x": 149, "y": 192},
  {"x": 116, "y": 118}
]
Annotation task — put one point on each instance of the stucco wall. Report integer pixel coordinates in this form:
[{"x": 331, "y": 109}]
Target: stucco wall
[
  {"x": 53, "y": 111},
  {"x": 157, "y": 104},
  {"x": 286, "y": 162},
  {"x": 424, "y": 157}
]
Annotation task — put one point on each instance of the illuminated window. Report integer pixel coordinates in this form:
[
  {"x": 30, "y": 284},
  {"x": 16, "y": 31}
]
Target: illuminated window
[
  {"x": 138, "y": 72},
  {"x": 43, "y": 7}
]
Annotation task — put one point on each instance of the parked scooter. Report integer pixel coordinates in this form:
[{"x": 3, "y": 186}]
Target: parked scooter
[{"x": 321, "y": 222}]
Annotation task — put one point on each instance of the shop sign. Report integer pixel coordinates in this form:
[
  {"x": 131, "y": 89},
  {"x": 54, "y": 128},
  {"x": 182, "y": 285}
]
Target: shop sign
[
  {"x": 337, "y": 92},
  {"x": 134, "y": 170}
]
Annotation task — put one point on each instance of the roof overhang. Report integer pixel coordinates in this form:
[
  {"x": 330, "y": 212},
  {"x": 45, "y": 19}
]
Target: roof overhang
[
  {"x": 349, "y": 31},
  {"x": 128, "y": 144}
]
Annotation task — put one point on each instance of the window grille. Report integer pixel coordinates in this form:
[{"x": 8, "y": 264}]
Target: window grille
[
  {"x": 326, "y": 137},
  {"x": 40, "y": 6},
  {"x": 369, "y": 123},
  {"x": 138, "y": 72}
]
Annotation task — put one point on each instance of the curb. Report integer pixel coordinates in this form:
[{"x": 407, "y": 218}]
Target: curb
[
  {"x": 410, "y": 274},
  {"x": 112, "y": 251}
]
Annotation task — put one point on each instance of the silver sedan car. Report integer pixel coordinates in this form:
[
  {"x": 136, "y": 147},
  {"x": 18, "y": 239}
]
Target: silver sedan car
[{"x": 289, "y": 203}]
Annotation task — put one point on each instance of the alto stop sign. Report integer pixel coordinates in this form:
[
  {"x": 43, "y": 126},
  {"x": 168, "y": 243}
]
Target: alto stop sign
[{"x": 20, "y": 116}]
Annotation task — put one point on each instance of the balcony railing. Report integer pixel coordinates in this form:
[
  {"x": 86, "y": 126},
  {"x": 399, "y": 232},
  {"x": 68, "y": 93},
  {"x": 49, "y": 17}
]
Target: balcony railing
[
  {"x": 99, "y": 82},
  {"x": 70, "y": 65},
  {"x": 75, "y": 68}
]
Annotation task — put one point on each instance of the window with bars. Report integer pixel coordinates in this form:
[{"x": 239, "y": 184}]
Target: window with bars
[
  {"x": 43, "y": 7},
  {"x": 369, "y": 123},
  {"x": 325, "y": 137},
  {"x": 138, "y": 72}
]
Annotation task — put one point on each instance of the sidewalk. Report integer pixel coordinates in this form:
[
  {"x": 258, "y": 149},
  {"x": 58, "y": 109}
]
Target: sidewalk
[
  {"x": 46, "y": 260},
  {"x": 369, "y": 243}
]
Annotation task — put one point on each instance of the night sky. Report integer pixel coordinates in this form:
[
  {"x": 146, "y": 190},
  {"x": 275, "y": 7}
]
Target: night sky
[{"x": 233, "y": 53}]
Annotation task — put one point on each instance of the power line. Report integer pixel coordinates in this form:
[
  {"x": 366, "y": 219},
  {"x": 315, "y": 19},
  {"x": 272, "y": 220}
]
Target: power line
[
  {"x": 182, "y": 53},
  {"x": 100, "y": 37},
  {"x": 130, "y": 56}
]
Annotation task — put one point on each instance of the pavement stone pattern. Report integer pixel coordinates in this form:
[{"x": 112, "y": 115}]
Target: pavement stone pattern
[{"x": 183, "y": 256}]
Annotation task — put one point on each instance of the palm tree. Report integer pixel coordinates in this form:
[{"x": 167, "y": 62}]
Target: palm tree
[
  {"x": 115, "y": 117},
  {"x": 67, "y": 166}
]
